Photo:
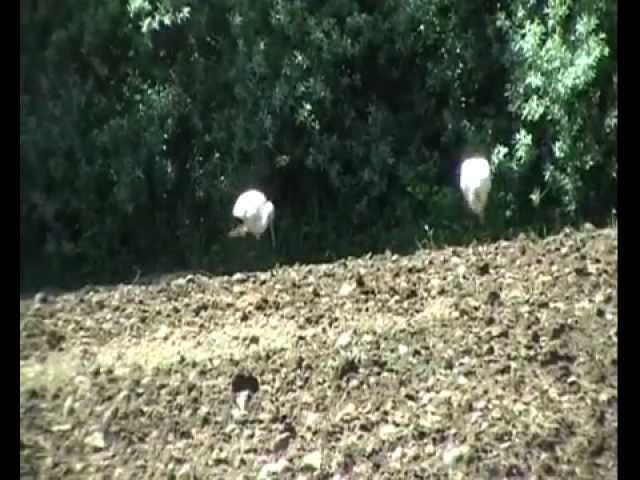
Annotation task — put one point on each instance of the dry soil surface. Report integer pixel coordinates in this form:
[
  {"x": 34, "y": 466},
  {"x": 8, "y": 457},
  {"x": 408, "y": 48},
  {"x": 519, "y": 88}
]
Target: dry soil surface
[{"x": 493, "y": 361}]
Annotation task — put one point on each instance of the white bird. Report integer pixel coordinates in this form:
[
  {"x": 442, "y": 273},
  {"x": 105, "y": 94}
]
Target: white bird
[
  {"x": 475, "y": 183},
  {"x": 256, "y": 213}
]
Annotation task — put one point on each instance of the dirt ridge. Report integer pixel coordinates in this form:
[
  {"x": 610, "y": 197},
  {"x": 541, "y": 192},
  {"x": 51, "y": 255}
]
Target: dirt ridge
[{"x": 493, "y": 361}]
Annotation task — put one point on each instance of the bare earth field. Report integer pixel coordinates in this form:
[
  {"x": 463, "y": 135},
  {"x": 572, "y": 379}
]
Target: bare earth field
[{"x": 488, "y": 362}]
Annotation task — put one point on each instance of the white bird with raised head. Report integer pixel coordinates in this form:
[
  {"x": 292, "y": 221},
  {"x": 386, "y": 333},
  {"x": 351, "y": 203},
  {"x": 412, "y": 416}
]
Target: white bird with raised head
[
  {"x": 475, "y": 183},
  {"x": 256, "y": 214}
]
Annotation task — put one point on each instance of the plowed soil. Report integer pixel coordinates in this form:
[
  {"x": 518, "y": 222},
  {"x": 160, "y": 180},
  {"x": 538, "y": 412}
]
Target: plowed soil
[{"x": 492, "y": 361}]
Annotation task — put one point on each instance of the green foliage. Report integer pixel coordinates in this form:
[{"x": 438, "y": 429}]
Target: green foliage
[
  {"x": 563, "y": 96},
  {"x": 141, "y": 120}
]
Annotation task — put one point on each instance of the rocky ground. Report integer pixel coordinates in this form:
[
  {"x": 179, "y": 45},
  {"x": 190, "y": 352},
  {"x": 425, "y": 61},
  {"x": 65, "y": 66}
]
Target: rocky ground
[{"x": 493, "y": 361}]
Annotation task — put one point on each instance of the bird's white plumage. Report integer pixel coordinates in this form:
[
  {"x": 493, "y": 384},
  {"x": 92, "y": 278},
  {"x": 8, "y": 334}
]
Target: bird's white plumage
[
  {"x": 475, "y": 183},
  {"x": 248, "y": 203},
  {"x": 256, "y": 213}
]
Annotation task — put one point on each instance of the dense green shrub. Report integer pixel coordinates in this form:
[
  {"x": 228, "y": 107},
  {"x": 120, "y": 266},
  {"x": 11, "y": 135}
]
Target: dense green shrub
[
  {"x": 562, "y": 92},
  {"x": 141, "y": 120}
]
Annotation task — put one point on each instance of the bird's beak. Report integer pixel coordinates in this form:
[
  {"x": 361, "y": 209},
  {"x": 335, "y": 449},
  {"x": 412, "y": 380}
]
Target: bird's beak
[{"x": 273, "y": 235}]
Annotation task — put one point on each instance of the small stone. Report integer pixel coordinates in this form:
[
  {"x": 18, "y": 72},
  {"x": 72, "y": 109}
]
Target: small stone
[
  {"x": 349, "y": 411},
  {"x": 387, "y": 431},
  {"x": 454, "y": 455},
  {"x": 96, "y": 440},
  {"x": 179, "y": 283},
  {"x": 343, "y": 340},
  {"x": 185, "y": 472},
  {"x": 68, "y": 407},
  {"x": 313, "y": 460},
  {"x": 41, "y": 298},
  {"x": 62, "y": 428},
  {"x": 346, "y": 289},
  {"x": 282, "y": 442},
  {"x": 272, "y": 470}
]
